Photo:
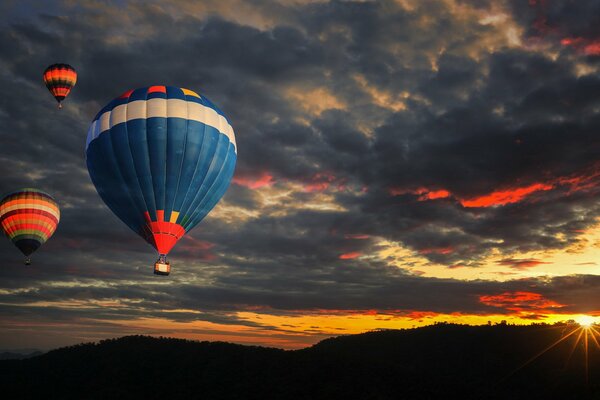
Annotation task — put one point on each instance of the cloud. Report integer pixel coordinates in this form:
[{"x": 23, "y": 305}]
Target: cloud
[
  {"x": 438, "y": 126},
  {"x": 521, "y": 263},
  {"x": 520, "y": 301},
  {"x": 350, "y": 256},
  {"x": 254, "y": 183},
  {"x": 503, "y": 197}
]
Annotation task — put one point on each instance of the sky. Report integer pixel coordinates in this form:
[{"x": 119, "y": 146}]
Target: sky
[{"x": 400, "y": 163}]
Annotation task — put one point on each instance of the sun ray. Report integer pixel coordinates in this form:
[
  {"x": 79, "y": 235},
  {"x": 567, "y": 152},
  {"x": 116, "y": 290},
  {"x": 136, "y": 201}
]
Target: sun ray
[
  {"x": 573, "y": 347},
  {"x": 535, "y": 357},
  {"x": 585, "y": 346},
  {"x": 594, "y": 333}
]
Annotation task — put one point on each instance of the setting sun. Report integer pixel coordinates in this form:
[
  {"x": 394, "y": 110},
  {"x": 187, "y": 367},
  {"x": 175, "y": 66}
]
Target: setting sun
[{"x": 585, "y": 320}]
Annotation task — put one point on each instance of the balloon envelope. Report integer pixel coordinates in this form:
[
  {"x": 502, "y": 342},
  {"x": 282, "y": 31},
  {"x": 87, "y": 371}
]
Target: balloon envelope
[
  {"x": 28, "y": 217},
  {"x": 161, "y": 158},
  {"x": 60, "y": 79}
]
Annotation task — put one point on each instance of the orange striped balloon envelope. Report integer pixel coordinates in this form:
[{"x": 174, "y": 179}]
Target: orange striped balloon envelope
[
  {"x": 28, "y": 217},
  {"x": 60, "y": 79}
]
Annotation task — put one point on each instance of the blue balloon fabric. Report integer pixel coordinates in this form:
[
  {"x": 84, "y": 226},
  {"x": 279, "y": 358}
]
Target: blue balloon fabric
[{"x": 161, "y": 158}]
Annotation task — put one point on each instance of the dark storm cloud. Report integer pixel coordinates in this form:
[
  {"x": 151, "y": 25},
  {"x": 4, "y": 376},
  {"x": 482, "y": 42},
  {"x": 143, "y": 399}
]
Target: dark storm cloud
[
  {"x": 426, "y": 97},
  {"x": 357, "y": 288}
]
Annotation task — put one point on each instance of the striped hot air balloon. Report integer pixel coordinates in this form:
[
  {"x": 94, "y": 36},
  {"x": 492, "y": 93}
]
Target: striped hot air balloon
[
  {"x": 60, "y": 79},
  {"x": 28, "y": 217},
  {"x": 161, "y": 157}
]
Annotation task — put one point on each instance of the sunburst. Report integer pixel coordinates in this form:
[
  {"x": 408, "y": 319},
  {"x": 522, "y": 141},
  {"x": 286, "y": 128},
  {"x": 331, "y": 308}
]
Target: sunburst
[
  {"x": 584, "y": 331},
  {"x": 586, "y": 321}
]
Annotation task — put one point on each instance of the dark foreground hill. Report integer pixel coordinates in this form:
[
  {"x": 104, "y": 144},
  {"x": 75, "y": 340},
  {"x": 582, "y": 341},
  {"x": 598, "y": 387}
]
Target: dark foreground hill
[
  {"x": 19, "y": 354},
  {"x": 435, "y": 362}
]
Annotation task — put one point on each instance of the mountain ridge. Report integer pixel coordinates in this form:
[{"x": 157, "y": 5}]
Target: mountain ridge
[{"x": 438, "y": 361}]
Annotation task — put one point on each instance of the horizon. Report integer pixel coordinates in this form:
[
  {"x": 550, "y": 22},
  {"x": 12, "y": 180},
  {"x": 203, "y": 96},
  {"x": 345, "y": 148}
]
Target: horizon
[
  {"x": 401, "y": 163},
  {"x": 571, "y": 323}
]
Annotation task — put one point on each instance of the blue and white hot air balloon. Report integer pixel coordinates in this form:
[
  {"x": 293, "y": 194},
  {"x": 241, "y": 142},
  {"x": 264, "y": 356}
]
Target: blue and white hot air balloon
[{"x": 161, "y": 158}]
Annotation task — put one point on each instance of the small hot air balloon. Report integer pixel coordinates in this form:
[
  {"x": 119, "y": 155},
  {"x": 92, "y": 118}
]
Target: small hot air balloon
[
  {"x": 28, "y": 217},
  {"x": 161, "y": 158},
  {"x": 60, "y": 79}
]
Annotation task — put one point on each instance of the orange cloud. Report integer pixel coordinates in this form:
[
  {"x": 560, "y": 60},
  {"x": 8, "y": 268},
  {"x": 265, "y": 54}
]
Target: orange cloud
[
  {"x": 320, "y": 182},
  {"x": 350, "y": 256},
  {"x": 356, "y": 236},
  {"x": 419, "y": 315},
  {"x": 582, "y": 181},
  {"x": 254, "y": 183},
  {"x": 437, "y": 194},
  {"x": 437, "y": 250},
  {"x": 424, "y": 193},
  {"x": 496, "y": 198},
  {"x": 583, "y": 45},
  {"x": 317, "y": 187},
  {"x": 503, "y": 197},
  {"x": 519, "y": 301},
  {"x": 592, "y": 48},
  {"x": 521, "y": 264},
  {"x": 315, "y": 101}
]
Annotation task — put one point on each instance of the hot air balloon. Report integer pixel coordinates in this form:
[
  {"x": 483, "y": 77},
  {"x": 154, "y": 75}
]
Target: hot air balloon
[
  {"x": 28, "y": 217},
  {"x": 161, "y": 158},
  {"x": 60, "y": 79}
]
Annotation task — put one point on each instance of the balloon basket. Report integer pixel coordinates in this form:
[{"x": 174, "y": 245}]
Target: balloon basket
[
  {"x": 27, "y": 261},
  {"x": 162, "y": 266}
]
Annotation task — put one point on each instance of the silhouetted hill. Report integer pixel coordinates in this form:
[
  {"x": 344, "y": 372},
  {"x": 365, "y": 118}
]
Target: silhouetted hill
[
  {"x": 19, "y": 354},
  {"x": 437, "y": 362}
]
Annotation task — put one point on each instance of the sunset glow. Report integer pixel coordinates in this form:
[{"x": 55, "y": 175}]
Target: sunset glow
[{"x": 586, "y": 321}]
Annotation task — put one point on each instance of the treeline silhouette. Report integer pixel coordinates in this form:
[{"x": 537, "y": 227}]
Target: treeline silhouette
[{"x": 442, "y": 361}]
